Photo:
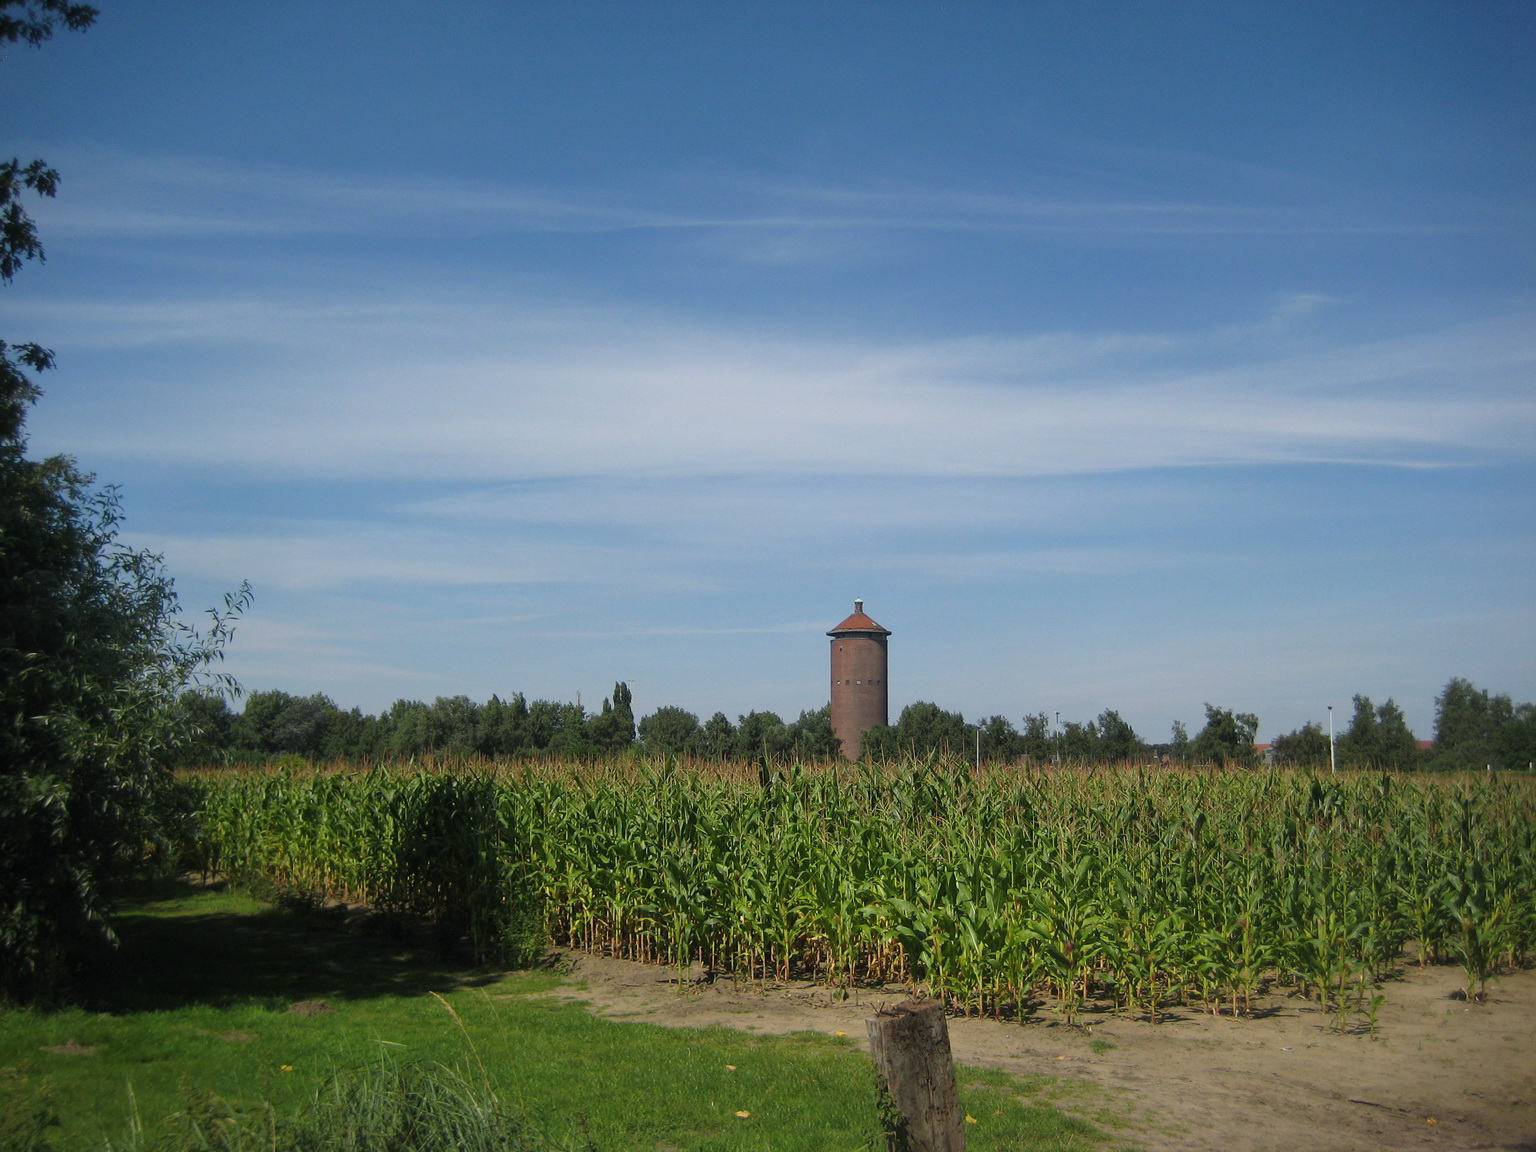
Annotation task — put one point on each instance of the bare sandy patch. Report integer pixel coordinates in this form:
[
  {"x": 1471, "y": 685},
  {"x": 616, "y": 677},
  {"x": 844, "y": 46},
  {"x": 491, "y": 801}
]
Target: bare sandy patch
[
  {"x": 1438, "y": 1074},
  {"x": 311, "y": 1008},
  {"x": 73, "y": 1048}
]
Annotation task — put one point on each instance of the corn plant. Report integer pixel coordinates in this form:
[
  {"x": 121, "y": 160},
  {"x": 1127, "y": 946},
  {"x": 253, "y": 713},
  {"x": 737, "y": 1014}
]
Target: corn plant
[{"x": 996, "y": 890}]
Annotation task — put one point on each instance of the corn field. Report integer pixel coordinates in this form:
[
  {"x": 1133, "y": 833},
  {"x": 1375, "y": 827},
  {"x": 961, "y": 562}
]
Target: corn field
[{"x": 1000, "y": 892}]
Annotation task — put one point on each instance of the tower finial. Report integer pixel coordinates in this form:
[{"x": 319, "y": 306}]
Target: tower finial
[{"x": 858, "y": 604}]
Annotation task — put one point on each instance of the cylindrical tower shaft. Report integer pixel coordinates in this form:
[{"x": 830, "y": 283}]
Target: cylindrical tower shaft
[{"x": 860, "y": 694}]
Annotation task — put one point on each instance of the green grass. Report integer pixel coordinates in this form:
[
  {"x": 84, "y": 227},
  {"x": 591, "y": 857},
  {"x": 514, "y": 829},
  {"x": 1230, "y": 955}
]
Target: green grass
[{"x": 197, "y": 1002}]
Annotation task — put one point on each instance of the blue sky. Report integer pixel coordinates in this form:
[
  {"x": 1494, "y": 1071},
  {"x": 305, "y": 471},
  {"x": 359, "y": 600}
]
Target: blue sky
[{"x": 1119, "y": 355}]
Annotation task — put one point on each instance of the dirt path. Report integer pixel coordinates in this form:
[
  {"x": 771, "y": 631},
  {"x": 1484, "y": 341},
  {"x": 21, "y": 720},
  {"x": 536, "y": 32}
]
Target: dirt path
[{"x": 1439, "y": 1075}]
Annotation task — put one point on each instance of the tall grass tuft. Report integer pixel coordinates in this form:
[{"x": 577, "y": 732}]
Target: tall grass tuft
[{"x": 388, "y": 1107}]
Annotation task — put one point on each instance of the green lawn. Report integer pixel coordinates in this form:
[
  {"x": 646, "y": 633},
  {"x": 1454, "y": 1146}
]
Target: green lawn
[{"x": 198, "y": 997}]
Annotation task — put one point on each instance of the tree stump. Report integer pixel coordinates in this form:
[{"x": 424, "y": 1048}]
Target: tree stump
[{"x": 916, "y": 1074}]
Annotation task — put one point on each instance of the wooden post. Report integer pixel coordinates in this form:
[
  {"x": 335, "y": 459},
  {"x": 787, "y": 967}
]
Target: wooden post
[{"x": 916, "y": 1073}]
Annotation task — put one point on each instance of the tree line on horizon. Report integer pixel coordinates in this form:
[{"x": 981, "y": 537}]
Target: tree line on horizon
[{"x": 1473, "y": 728}]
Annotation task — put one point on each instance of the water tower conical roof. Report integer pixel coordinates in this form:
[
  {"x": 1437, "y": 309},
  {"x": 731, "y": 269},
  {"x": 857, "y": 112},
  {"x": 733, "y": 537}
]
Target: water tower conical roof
[{"x": 858, "y": 622}]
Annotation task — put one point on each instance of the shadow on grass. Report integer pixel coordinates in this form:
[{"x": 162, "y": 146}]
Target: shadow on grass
[{"x": 184, "y": 944}]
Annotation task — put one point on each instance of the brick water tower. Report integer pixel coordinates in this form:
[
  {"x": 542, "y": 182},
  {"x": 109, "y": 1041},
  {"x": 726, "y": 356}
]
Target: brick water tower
[{"x": 860, "y": 697}]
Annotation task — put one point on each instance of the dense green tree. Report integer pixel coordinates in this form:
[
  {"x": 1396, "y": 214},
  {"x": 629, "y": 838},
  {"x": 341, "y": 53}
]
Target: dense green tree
[
  {"x": 878, "y": 743},
  {"x": 95, "y": 664},
  {"x": 760, "y": 734},
  {"x": 1117, "y": 740},
  {"x": 352, "y": 735},
  {"x": 1358, "y": 743},
  {"x": 94, "y": 661},
  {"x": 923, "y": 729},
  {"x": 567, "y": 728},
  {"x": 1377, "y": 737},
  {"x": 455, "y": 726},
  {"x": 407, "y": 728},
  {"x": 506, "y": 725},
  {"x": 1179, "y": 742},
  {"x": 811, "y": 736},
  {"x": 613, "y": 729},
  {"x": 276, "y": 722},
  {"x": 1036, "y": 740},
  {"x": 1463, "y": 719},
  {"x": 1079, "y": 742},
  {"x": 717, "y": 740},
  {"x": 670, "y": 731},
  {"x": 1227, "y": 737},
  {"x": 1474, "y": 728},
  {"x": 210, "y": 726},
  {"x": 1514, "y": 744},
  {"x": 548, "y": 718},
  {"x": 1396, "y": 745},
  {"x": 1306, "y": 747},
  {"x": 1001, "y": 742},
  {"x": 1514, "y": 740}
]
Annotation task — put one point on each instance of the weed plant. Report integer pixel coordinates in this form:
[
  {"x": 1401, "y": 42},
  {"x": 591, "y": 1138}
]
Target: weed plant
[{"x": 390, "y": 1106}]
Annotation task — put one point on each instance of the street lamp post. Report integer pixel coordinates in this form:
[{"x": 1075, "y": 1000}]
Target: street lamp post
[{"x": 1333, "y": 764}]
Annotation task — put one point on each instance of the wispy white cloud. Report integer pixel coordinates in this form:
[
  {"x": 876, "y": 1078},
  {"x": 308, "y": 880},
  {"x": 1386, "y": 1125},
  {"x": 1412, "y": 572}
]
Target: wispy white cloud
[
  {"x": 272, "y": 648},
  {"x": 800, "y": 627},
  {"x": 468, "y": 390},
  {"x": 136, "y": 197},
  {"x": 359, "y": 553},
  {"x": 823, "y": 520}
]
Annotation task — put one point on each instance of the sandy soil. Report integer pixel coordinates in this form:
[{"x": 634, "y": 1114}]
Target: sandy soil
[{"x": 1439, "y": 1074}]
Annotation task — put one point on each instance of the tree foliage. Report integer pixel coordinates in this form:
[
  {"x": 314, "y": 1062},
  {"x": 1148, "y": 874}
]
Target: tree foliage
[
  {"x": 94, "y": 662},
  {"x": 670, "y": 731},
  {"x": 1306, "y": 747},
  {"x": 1178, "y": 743},
  {"x": 34, "y": 21},
  {"x": 1035, "y": 739},
  {"x": 1377, "y": 737},
  {"x": 717, "y": 739},
  {"x": 1475, "y": 728},
  {"x": 96, "y": 665},
  {"x": 925, "y": 729},
  {"x": 276, "y": 723},
  {"x": 1001, "y": 742},
  {"x": 1117, "y": 740},
  {"x": 757, "y": 735},
  {"x": 922, "y": 729},
  {"x": 613, "y": 729},
  {"x": 1227, "y": 737}
]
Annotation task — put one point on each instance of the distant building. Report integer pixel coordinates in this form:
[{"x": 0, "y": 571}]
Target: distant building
[{"x": 860, "y": 695}]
